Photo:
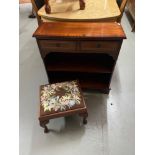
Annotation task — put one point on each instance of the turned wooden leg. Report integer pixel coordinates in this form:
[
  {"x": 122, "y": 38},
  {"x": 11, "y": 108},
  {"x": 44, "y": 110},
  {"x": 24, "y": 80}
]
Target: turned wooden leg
[
  {"x": 82, "y": 4},
  {"x": 43, "y": 124},
  {"x": 84, "y": 115},
  {"x": 32, "y": 15},
  {"x": 47, "y": 7},
  {"x": 133, "y": 27}
]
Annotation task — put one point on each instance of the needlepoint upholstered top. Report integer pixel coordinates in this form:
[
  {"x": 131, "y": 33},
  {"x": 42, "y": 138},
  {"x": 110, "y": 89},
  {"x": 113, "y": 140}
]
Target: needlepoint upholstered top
[{"x": 60, "y": 97}]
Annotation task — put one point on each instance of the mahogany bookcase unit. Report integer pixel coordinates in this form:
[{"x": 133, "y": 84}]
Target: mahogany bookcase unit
[{"x": 80, "y": 50}]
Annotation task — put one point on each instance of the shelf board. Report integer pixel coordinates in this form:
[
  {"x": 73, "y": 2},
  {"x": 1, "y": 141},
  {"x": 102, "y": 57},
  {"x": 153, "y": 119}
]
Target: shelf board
[
  {"x": 79, "y": 67},
  {"x": 86, "y": 82},
  {"x": 90, "y": 84},
  {"x": 85, "y": 63}
]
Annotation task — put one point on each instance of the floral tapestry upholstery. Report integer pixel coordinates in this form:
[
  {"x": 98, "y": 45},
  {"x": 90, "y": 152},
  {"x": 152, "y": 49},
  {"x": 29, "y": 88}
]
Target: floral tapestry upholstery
[{"x": 60, "y": 96}]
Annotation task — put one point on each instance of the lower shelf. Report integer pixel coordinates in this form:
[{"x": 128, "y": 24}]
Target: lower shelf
[
  {"x": 77, "y": 62},
  {"x": 99, "y": 82}
]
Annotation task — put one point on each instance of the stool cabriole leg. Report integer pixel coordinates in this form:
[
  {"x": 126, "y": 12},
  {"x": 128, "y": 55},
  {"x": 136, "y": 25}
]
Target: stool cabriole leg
[
  {"x": 43, "y": 124},
  {"x": 84, "y": 120},
  {"x": 84, "y": 115}
]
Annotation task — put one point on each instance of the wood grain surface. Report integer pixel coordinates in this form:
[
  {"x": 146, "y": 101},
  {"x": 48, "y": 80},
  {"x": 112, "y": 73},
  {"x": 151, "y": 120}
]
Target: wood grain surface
[{"x": 80, "y": 29}]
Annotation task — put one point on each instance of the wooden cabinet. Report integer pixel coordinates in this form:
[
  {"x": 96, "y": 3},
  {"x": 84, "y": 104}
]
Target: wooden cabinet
[{"x": 87, "y": 53}]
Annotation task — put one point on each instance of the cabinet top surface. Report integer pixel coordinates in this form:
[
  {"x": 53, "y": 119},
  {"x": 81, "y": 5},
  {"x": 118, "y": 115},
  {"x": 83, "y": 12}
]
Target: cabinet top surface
[
  {"x": 68, "y": 10},
  {"x": 79, "y": 30}
]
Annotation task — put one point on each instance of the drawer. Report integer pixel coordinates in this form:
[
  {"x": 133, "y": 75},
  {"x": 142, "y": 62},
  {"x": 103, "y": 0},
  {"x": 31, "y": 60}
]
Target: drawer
[
  {"x": 52, "y": 45},
  {"x": 100, "y": 46}
]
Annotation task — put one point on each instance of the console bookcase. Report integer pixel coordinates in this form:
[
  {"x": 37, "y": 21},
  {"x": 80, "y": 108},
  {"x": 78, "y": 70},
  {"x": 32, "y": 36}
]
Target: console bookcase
[{"x": 84, "y": 51}]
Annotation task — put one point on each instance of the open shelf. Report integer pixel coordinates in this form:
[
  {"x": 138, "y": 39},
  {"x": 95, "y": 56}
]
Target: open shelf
[
  {"x": 76, "y": 62},
  {"x": 87, "y": 80},
  {"x": 89, "y": 84}
]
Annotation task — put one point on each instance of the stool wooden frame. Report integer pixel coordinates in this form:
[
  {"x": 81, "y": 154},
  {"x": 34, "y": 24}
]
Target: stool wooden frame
[{"x": 81, "y": 111}]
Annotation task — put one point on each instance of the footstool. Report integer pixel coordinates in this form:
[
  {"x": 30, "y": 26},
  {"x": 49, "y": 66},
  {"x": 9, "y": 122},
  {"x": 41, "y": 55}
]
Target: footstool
[{"x": 60, "y": 100}]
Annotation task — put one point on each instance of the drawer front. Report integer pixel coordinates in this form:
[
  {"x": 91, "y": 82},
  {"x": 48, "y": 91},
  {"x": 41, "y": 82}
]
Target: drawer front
[
  {"x": 50, "y": 45},
  {"x": 100, "y": 46}
]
